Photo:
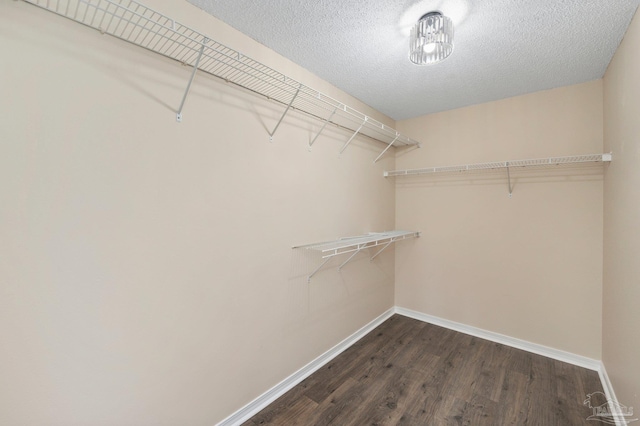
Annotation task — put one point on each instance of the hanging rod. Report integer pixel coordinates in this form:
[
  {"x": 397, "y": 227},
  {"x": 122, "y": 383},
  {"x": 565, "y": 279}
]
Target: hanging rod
[
  {"x": 355, "y": 245},
  {"x": 135, "y": 23}
]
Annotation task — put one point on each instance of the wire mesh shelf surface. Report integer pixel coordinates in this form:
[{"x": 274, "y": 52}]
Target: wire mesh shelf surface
[
  {"x": 355, "y": 245},
  {"x": 537, "y": 163},
  {"x": 135, "y": 23},
  {"x": 351, "y": 244}
]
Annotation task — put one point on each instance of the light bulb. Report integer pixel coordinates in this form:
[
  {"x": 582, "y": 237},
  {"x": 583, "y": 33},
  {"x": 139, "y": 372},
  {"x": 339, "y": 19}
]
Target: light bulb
[{"x": 429, "y": 47}]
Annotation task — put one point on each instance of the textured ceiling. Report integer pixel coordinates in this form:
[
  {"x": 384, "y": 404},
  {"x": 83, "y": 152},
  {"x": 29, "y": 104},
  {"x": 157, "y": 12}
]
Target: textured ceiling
[{"x": 503, "y": 48}]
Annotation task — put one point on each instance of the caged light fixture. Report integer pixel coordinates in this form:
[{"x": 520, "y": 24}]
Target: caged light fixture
[{"x": 431, "y": 39}]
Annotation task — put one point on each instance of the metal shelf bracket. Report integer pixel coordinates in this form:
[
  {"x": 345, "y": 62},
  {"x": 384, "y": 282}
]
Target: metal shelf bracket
[
  {"x": 381, "y": 250},
  {"x": 317, "y": 269},
  {"x": 354, "y": 135},
  {"x": 283, "y": 114},
  {"x": 351, "y": 257},
  {"x": 193, "y": 74},
  {"x": 322, "y": 128},
  {"x": 388, "y": 146}
]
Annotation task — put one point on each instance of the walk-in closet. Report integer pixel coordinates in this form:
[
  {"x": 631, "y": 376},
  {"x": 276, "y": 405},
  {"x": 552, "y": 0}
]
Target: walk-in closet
[{"x": 241, "y": 213}]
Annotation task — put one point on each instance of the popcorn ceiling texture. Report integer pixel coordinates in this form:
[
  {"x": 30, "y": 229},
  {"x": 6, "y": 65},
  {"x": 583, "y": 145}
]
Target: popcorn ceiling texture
[{"x": 503, "y": 48}]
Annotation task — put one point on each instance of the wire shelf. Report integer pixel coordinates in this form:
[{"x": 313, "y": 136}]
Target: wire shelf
[
  {"x": 350, "y": 244},
  {"x": 532, "y": 163},
  {"x": 135, "y": 23},
  {"x": 354, "y": 245}
]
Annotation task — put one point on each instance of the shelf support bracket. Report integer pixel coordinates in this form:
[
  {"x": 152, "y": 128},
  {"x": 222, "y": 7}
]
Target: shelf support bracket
[
  {"x": 322, "y": 128},
  {"x": 317, "y": 269},
  {"x": 354, "y": 135},
  {"x": 350, "y": 257},
  {"x": 509, "y": 179},
  {"x": 193, "y": 74},
  {"x": 381, "y": 250},
  {"x": 283, "y": 115},
  {"x": 385, "y": 150}
]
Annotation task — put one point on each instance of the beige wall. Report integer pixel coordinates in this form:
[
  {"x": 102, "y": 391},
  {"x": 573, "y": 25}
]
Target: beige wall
[
  {"x": 621, "y": 287},
  {"x": 529, "y": 267},
  {"x": 146, "y": 270}
]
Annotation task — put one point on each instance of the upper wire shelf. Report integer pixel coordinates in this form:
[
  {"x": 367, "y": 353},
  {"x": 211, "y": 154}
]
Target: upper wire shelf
[{"x": 133, "y": 22}]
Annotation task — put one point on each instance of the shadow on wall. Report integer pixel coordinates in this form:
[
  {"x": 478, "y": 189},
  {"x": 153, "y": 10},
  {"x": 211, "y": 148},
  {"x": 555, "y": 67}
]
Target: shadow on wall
[{"x": 330, "y": 287}]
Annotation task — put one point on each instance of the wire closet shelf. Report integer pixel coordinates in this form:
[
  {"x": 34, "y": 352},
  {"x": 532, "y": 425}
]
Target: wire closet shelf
[
  {"x": 536, "y": 163},
  {"x": 356, "y": 244},
  {"x": 135, "y": 23},
  {"x": 530, "y": 163}
]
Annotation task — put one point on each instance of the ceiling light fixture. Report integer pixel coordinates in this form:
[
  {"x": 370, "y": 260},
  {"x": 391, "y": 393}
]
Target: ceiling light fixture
[{"x": 431, "y": 39}]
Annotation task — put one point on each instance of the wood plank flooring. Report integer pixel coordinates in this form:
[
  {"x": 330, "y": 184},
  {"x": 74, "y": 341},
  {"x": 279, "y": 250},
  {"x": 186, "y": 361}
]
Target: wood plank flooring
[{"x": 406, "y": 372}]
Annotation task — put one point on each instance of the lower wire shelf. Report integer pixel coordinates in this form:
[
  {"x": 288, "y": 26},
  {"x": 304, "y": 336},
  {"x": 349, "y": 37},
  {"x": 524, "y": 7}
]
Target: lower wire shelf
[{"x": 355, "y": 245}]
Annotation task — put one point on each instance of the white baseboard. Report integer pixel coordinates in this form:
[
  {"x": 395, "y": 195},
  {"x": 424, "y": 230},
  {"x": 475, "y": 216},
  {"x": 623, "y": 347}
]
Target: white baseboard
[
  {"x": 606, "y": 383},
  {"x": 258, "y": 404},
  {"x": 579, "y": 360},
  {"x": 609, "y": 393}
]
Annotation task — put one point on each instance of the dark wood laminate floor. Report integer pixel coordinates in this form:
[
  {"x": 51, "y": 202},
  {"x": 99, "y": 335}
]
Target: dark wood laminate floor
[{"x": 406, "y": 372}]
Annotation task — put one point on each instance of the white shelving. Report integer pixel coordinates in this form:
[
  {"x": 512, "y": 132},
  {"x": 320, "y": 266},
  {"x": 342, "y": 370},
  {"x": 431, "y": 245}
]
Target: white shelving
[
  {"x": 507, "y": 165},
  {"x": 356, "y": 244},
  {"x": 135, "y": 23}
]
